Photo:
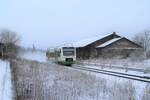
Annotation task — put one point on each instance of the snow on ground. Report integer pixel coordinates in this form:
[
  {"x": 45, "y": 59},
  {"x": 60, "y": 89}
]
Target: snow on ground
[
  {"x": 66, "y": 83},
  {"x": 141, "y": 64},
  {"x": 137, "y": 85},
  {"x": 5, "y": 81},
  {"x": 119, "y": 70},
  {"x": 111, "y": 80},
  {"x": 34, "y": 55},
  {"x": 147, "y": 62}
]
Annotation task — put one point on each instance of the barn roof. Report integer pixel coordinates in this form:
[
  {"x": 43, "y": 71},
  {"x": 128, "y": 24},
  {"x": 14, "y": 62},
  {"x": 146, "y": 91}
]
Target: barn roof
[
  {"x": 109, "y": 42},
  {"x": 85, "y": 42}
]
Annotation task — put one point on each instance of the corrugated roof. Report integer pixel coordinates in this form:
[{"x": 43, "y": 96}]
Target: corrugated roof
[{"x": 109, "y": 42}]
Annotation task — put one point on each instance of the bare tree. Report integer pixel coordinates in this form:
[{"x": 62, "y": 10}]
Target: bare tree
[
  {"x": 143, "y": 39},
  {"x": 7, "y": 36},
  {"x": 11, "y": 40}
]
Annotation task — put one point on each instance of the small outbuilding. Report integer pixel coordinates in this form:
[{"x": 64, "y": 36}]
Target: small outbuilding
[{"x": 111, "y": 45}]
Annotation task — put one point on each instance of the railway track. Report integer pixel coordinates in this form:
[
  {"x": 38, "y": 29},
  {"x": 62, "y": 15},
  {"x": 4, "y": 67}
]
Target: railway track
[
  {"x": 114, "y": 66},
  {"x": 113, "y": 73}
]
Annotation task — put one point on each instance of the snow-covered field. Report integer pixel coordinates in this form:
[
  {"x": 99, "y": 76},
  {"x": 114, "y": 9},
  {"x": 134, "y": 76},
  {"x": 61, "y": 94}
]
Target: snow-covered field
[
  {"x": 147, "y": 62},
  {"x": 5, "y": 81},
  {"x": 55, "y": 82},
  {"x": 141, "y": 64},
  {"x": 137, "y": 87},
  {"x": 125, "y": 70},
  {"x": 34, "y": 55}
]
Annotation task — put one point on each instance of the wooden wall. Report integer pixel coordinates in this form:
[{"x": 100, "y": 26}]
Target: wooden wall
[
  {"x": 90, "y": 50},
  {"x": 122, "y": 48}
]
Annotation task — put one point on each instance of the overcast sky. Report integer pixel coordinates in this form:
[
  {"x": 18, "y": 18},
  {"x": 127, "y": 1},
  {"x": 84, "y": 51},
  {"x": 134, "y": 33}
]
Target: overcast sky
[{"x": 47, "y": 23}]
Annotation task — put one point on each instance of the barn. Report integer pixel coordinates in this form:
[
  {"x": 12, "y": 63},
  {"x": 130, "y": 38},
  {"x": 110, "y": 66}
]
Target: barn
[{"x": 106, "y": 46}]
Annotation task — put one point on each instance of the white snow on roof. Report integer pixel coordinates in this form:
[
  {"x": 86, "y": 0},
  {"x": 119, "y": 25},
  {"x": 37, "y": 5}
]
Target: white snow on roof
[
  {"x": 85, "y": 42},
  {"x": 109, "y": 42}
]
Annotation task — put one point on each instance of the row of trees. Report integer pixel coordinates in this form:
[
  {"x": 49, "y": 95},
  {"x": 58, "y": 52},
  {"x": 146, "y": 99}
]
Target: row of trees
[
  {"x": 12, "y": 39},
  {"x": 8, "y": 36}
]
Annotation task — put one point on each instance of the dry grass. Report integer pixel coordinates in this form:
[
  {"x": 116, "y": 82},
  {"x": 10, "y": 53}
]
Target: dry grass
[
  {"x": 40, "y": 81},
  {"x": 146, "y": 95},
  {"x": 120, "y": 62}
]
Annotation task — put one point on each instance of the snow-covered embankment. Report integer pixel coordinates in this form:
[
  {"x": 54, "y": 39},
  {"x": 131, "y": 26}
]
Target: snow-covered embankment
[
  {"x": 5, "y": 81},
  {"x": 34, "y": 55}
]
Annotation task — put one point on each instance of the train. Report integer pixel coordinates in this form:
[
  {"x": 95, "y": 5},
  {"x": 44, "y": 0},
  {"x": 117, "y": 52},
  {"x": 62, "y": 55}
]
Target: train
[{"x": 65, "y": 55}]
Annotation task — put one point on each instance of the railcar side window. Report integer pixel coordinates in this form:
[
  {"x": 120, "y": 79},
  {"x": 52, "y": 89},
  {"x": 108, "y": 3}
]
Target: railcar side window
[{"x": 58, "y": 53}]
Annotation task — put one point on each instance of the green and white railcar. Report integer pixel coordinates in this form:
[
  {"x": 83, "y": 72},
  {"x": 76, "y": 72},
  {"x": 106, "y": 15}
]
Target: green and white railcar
[{"x": 65, "y": 55}]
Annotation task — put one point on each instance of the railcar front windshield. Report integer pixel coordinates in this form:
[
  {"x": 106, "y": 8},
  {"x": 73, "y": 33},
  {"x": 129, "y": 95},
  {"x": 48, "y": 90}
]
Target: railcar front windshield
[{"x": 68, "y": 51}]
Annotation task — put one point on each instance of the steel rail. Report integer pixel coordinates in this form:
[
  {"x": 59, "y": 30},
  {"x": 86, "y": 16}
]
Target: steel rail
[
  {"x": 112, "y": 73},
  {"x": 115, "y": 66}
]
